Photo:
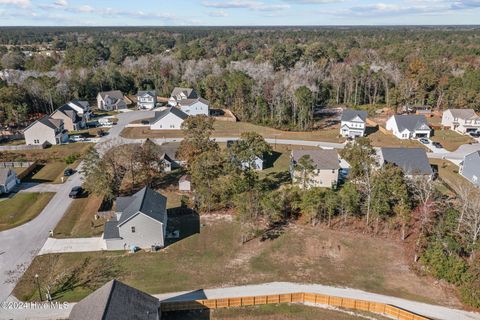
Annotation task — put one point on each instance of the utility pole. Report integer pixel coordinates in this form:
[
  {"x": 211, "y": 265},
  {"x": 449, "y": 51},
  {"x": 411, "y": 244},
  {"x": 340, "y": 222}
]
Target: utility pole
[{"x": 38, "y": 285}]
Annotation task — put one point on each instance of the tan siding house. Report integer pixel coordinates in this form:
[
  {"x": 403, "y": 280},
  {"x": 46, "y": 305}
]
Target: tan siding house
[{"x": 326, "y": 169}]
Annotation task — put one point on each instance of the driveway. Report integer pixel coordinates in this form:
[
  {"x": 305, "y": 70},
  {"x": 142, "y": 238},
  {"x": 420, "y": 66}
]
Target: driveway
[
  {"x": 53, "y": 245},
  {"x": 20, "y": 245}
]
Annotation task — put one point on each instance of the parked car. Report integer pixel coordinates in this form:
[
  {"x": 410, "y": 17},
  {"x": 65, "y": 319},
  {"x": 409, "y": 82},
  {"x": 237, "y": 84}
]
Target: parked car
[
  {"x": 76, "y": 192},
  {"x": 68, "y": 172},
  {"x": 437, "y": 145},
  {"x": 424, "y": 141},
  {"x": 76, "y": 138},
  {"x": 475, "y": 134}
]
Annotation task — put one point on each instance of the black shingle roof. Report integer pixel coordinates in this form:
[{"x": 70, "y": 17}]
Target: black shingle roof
[
  {"x": 412, "y": 161},
  {"x": 146, "y": 201}
]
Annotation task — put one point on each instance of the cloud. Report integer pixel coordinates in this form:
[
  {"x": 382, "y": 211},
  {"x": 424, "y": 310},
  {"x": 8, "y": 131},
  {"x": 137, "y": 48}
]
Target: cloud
[
  {"x": 17, "y": 3},
  {"x": 84, "y": 9},
  {"x": 314, "y": 1},
  {"x": 218, "y": 13},
  {"x": 247, "y": 4},
  {"x": 61, "y": 3}
]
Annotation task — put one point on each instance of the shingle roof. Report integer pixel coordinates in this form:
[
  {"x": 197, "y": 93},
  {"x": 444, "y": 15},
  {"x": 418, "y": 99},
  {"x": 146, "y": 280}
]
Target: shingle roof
[
  {"x": 69, "y": 112},
  {"x": 189, "y": 92},
  {"x": 412, "y": 161},
  {"x": 189, "y": 102},
  {"x": 116, "y": 301},
  {"x": 148, "y": 202},
  {"x": 4, "y": 174},
  {"x": 322, "y": 158},
  {"x": 48, "y": 121},
  {"x": 117, "y": 94},
  {"x": 80, "y": 103},
  {"x": 471, "y": 167},
  {"x": 464, "y": 113},
  {"x": 184, "y": 178},
  {"x": 411, "y": 122},
  {"x": 350, "y": 114},
  {"x": 110, "y": 230},
  {"x": 149, "y": 92},
  {"x": 161, "y": 114}
]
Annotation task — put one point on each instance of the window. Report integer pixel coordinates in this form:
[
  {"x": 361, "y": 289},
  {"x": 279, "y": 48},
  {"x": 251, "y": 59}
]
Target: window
[{"x": 133, "y": 229}]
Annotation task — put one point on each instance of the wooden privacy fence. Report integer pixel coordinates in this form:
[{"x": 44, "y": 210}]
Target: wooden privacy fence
[{"x": 304, "y": 298}]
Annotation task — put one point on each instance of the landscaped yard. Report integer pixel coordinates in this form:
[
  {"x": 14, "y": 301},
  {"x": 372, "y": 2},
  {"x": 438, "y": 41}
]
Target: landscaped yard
[
  {"x": 271, "y": 312},
  {"x": 450, "y": 139},
  {"x": 234, "y": 129},
  {"x": 215, "y": 257},
  {"x": 21, "y": 208},
  {"x": 79, "y": 221}
]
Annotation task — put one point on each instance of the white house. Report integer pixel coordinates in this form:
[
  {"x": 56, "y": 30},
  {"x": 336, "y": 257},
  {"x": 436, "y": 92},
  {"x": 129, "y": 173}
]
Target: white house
[
  {"x": 168, "y": 119},
  {"x": 45, "y": 130},
  {"x": 409, "y": 126},
  {"x": 8, "y": 180},
  {"x": 179, "y": 94},
  {"x": 461, "y": 120},
  {"x": 194, "y": 107},
  {"x": 470, "y": 168},
  {"x": 353, "y": 123},
  {"x": 146, "y": 99},
  {"x": 185, "y": 183},
  {"x": 111, "y": 100},
  {"x": 81, "y": 107}
]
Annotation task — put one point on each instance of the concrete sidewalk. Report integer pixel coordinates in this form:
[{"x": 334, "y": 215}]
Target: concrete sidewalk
[{"x": 53, "y": 245}]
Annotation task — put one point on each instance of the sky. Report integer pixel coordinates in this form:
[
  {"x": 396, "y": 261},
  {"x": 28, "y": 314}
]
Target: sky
[{"x": 237, "y": 12}]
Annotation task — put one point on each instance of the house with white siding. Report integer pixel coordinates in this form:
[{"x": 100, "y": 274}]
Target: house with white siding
[
  {"x": 146, "y": 99},
  {"x": 470, "y": 168},
  {"x": 140, "y": 221},
  {"x": 111, "y": 100},
  {"x": 461, "y": 120},
  {"x": 8, "y": 180},
  {"x": 353, "y": 123},
  {"x": 45, "y": 130},
  {"x": 168, "y": 119},
  {"x": 194, "y": 107},
  {"x": 178, "y": 94},
  {"x": 409, "y": 126}
]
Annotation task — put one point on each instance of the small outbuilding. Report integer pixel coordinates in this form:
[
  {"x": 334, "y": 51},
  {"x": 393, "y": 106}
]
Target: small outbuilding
[{"x": 185, "y": 183}]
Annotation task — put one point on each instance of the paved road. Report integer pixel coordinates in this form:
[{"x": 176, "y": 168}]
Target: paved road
[{"x": 20, "y": 245}]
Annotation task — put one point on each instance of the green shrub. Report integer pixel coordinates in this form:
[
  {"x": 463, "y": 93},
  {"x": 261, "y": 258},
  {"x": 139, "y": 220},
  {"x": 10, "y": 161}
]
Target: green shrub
[{"x": 71, "y": 158}]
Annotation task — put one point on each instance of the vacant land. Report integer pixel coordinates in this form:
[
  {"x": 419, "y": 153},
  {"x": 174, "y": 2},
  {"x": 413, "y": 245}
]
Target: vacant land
[
  {"x": 450, "y": 139},
  {"x": 235, "y": 129},
  {"x": 79, "y": 220},
  {"x": 271, "y": 312},
  {"x": 53, "y": 153},
  {"x": 21, "y": 208},
  {"x": 380, "y": 139},
  {"x": 215, "y": 257}
]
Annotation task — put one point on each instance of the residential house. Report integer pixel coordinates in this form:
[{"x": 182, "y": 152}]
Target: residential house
[
  {"x": 117, "y": 301},
  {"x": 353, "y": 123},
  {"x": 409, "y": 126},
  {"x": 195, "y": 107},
  {"x": 146, "y": 99},
  {"x": 8, "y": 180},
  {"x": 72, "y": 120},
  {"x": 111, "y": 100},
  {"x": 168, "y": 156},
  {"x": 256, "y": 163},
  {"x": 326, "y": 169},
  {"x": 141, "y": 221},
  {"x": 45, "y": 130},
  {"x": 185, "y": 183},
  {"x": 470, "y": 168},
  {"x": 179, "y": 94},
  {"x": 169, "y": 119},
  {"x": 461, "y": 120},
  {"x": 412, "y": 161},
  {"x": 81, "y": 107}
]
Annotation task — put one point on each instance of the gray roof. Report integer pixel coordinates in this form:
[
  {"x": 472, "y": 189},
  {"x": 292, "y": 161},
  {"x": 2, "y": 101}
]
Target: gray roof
[
  {"x": 48, "y": 121},
  {"x": 412, "y": 161},
  {"x": 117, "y": 94},
  {"x": 189, "y": 102},
  {"x": 350, "y": 114},
  {"x": 411, "y": 122},
  {"x": 146, "y": 201},
  {"x": 147, "y": 92},
  {"x": 161, "y": 114},
  {"x": 463, "y": 113},
  {"x": 4, "y": 174},
  {"x": 110, "y": 230},
  {"x": 81, "y": 104},
  {"x": 322, "y": 158},
  {"x": 69, "y": 112},
  {"x": 471, "y": 167},
  {"x": 189, "y": 92},
  {"x": 116, "y": 301}
]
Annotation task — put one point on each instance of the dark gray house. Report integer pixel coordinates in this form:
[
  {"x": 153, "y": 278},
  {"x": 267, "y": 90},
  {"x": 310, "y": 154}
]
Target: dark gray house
[
  {"x": 470, "y": 168},
  {"x": 116, "y": 301},
  {"x": 412, "y": 161},
  {"x": 140, "y": 221}
]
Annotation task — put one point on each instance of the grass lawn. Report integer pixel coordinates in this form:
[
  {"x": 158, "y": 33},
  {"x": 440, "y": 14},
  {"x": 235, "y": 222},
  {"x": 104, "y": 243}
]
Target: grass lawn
[
  {"x": 53, "y": 153},
  {"x": 229, "y": 129},
  {"x": 279, "y": 160},
  {"x": 215, "y": 257},
  {"x": 450, "y": 139},
  {"x": 270, "y": 312},
  {"x": 51, "y": 172},
  {"x": 77, "y": 221},
  {"x": 21, "y": 208},
  {"x": 379, "y": 139},
  {"x": 448, "y": 173}
]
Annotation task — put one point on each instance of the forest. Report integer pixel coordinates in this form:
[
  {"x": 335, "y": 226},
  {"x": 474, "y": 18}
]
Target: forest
[{"x": 270, "y": 75}]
